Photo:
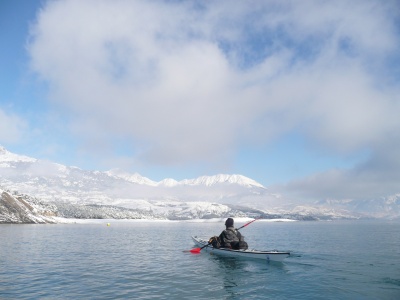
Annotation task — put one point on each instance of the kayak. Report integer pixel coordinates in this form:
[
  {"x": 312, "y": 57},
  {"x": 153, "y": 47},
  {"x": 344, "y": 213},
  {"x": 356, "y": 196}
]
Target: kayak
[{"x": 272, "y": 255}]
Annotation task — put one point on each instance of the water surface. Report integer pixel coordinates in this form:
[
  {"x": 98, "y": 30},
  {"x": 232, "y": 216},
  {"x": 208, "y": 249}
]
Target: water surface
[{"x": 146, "y": 260}]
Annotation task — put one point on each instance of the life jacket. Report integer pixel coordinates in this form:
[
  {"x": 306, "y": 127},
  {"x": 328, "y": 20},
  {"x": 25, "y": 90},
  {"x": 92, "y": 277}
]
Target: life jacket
[{"x": 232, "y": 238}]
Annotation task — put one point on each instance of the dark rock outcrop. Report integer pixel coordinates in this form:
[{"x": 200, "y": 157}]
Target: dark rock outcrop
[{"x": 22, "y": 209}]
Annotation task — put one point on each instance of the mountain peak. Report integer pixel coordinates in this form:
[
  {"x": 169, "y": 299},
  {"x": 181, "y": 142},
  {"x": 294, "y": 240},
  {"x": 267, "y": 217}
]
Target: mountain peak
[
  {"x": 7, "y": 156},
  {"x": 168, "y": 182},
  {"x": 135, "y": 178},
  {"x": 223, "y": 178}
]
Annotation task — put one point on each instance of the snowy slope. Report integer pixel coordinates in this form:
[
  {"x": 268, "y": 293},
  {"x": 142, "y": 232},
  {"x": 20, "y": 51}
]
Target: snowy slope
[
  {"x": 16, "y": 208},
  {"x": 55, "y": 182},
  {"x": 7, "y": 159},
  {"x": 134, "y": 178},
  {"x": 222, "y": 178},
  {"x": 80, "y": 193},
  {"x": 119, "y": 194}
]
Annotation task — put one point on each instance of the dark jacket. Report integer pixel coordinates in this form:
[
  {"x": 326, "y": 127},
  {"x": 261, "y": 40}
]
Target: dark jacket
[{"x": 232, "y": 238}]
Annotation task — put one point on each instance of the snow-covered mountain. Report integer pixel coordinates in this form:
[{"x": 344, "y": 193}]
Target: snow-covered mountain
[
  {"x": 8, "y": 159},
  {"x": 134, "y": 178},
  {"x": 78, "y": 193},
  {"x": 203, "y": 180},
  {"x": 54, "y": 182},
  {"x": 15, "y": 208},
  {"x": 119, "y": 194}
]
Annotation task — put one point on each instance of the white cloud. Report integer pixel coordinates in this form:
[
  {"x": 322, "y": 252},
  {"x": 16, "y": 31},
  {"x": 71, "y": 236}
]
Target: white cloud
[
  {"x": 11, "y": 127},
  {"x": 187, "y": 81}
]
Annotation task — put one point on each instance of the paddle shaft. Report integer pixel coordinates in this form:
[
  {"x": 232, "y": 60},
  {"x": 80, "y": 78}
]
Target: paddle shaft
[
  {"x": 249, "y": 223},
  {"x": 205, "y": 246},
  {"x": 197, "y": 250}
]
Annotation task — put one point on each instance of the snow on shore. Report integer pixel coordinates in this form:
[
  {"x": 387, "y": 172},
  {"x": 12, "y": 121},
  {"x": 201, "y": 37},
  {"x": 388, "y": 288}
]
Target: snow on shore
[{"x": 110, "y": 221}]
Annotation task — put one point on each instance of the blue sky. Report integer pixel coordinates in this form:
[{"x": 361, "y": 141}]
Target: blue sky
[{"x": 301, "y": 96}]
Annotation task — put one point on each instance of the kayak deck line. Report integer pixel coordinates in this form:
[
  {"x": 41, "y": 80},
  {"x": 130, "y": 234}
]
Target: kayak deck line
[{"x": 270, "y": 255}]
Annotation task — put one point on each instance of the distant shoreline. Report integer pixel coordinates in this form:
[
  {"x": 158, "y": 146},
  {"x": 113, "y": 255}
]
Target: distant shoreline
[{"x": 60, "y": 220}]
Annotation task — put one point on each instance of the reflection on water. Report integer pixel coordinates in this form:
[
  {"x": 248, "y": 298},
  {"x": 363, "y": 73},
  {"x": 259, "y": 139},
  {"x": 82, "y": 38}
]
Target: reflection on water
[
  {"x": 243, "y": 277},
  {"x": 146, "y": 261}
]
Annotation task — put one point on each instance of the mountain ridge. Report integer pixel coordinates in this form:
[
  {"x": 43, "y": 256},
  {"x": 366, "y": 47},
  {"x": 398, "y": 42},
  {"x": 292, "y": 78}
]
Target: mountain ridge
[
  {"x": 9, "y": 157},
  {"x": 120, "y": 194}
]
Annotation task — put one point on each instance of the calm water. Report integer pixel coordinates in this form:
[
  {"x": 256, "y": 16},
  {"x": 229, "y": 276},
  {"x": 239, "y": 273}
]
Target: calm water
[{"x": 145, "y": 260}]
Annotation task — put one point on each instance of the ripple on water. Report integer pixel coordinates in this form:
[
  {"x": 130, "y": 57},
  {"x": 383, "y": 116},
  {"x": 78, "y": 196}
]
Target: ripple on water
[{"x": 145, "y": 261}]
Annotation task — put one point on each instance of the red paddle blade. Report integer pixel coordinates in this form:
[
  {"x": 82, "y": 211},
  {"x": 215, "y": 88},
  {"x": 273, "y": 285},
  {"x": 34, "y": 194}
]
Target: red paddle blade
[{"x": 195, "y": 250}]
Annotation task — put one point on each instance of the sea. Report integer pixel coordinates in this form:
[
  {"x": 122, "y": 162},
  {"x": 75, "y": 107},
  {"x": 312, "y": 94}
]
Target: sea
[{"x": 109, "y": 259}]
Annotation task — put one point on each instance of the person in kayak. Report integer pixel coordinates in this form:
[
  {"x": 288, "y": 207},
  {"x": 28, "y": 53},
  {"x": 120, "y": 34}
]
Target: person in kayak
[{"x": 231, "y": 237}]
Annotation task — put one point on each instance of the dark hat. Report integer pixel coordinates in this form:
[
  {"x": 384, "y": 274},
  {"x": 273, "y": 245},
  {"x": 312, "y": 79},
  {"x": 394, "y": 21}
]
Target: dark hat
[{"x": 229, "y": 222}]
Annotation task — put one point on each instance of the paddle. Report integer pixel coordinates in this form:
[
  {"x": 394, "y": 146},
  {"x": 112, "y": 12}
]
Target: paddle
[
  {"x": 249, "y": 223},
  {"x": 197, "y": 250}
]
